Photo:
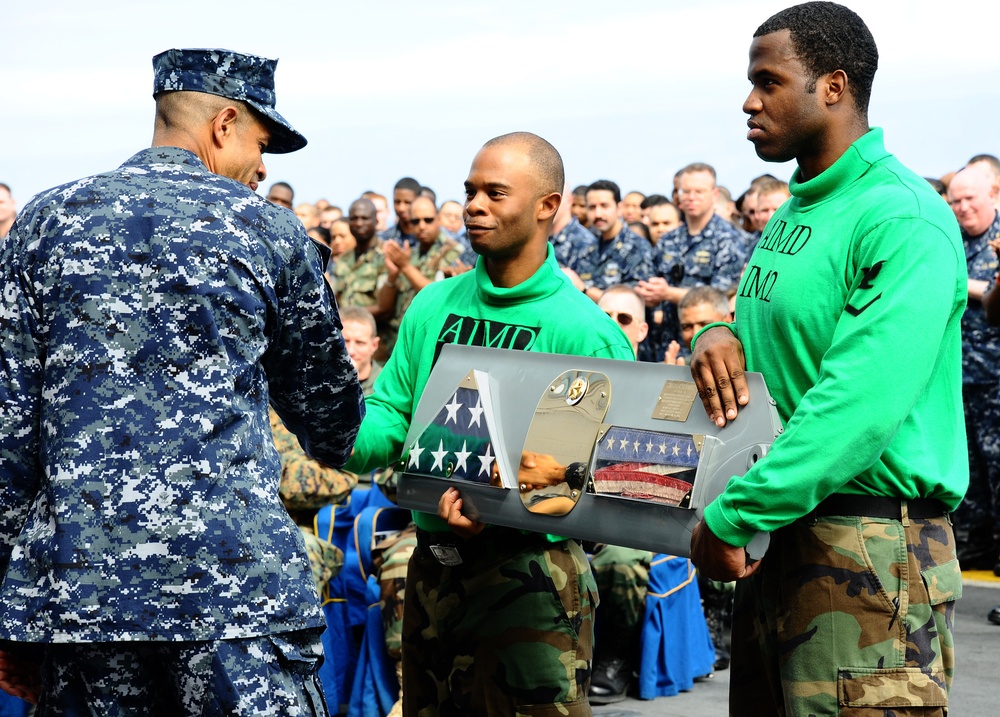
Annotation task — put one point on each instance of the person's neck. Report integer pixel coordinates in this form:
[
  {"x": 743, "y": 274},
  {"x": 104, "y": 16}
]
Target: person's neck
[
  {"x": 972, "y": 234},
  {"x": 509, "y": 272},
  {"x": 5, "y": 227},
  {"x": 363, "y": 245},
  {"x": 696, "y": 225},
  {"x": 364, "y": 371},
  {"x": 829, "y": 149},
  {"x": 199, "y": 143}
]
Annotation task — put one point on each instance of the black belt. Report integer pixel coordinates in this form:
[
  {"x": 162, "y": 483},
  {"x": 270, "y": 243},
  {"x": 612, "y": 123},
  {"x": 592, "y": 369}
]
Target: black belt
[
  {"x": 451, "y": 550},
  {"x": 876, "y": 506}
]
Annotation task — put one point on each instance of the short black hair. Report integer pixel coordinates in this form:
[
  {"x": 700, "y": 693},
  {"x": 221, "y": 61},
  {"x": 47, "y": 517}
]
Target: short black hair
[
  {"x": 580, "y": 190},
  {"x": 286, "y": 185},
  {"x": 408, "y": 183},
  {"x": 323, "y": 232},
  {"x": 654, "y": 200},
  {"x": 608, "y": 186},
  {"x": 545, "y": 158},
  {"x": 938, "y": 186},
  {"x": 829, "y": 37},
  {"x": 640, "y": 229}
]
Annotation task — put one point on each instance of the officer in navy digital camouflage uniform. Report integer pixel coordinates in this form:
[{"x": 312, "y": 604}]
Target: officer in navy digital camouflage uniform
[
  {"x": 619, "y": 256},
  {"x": 569, "y": 237},
  {"x": 149, "y": 316},
  {"x": 977, "y": 521},
  {"x": 704, "y": 250}
]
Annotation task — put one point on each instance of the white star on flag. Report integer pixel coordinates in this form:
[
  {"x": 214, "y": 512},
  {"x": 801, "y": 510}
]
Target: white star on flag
[
  {"x": 453, "y": 409},
  {"x": 415, "y": 456},
  {"x": 461, "y": 457},
  {"x": 439, "y": 456},
  {"x": 486, "y": 461},
  {"x": 476, "y": 412}
]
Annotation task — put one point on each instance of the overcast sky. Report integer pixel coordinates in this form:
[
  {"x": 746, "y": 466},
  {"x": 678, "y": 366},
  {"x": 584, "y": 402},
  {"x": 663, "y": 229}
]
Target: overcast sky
[{"x": 629, "y": 91}]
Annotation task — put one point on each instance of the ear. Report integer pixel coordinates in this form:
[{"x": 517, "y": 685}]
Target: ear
[
  {"x": 375, "y": 341},
  {"x": 835, "y": 86},
  {"x": 643, "y": 330},
  {"x": 547, "y": 206},
  {"x": 224, "y": 125}
]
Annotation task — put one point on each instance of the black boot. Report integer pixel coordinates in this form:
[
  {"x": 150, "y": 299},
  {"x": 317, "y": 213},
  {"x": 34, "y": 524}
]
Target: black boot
[
  {"x": 610, "y": 680},
  {"x": 616, "y": 651}
]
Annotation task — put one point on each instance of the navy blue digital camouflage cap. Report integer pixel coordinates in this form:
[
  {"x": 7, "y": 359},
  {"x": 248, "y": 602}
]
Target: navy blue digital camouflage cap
[{"x": 247, "y": 78}]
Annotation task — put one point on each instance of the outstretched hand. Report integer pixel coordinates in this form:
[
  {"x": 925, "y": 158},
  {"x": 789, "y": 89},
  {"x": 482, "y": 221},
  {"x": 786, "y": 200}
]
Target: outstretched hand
[
  {"x": 538, "y": 470},
  {"x": 718, "y": 367}
]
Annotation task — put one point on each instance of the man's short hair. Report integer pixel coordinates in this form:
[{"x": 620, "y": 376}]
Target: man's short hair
[
  {"x": 7, "y": 187},
  {"x": 629, "y": 291},
  {"x": 654, "y": 200},
  {"x": 698, "y": 167},
  {"x": 544, "y": 157},
  {"x": 771, "y": 186},
  {"x": 324, "y": 233},
  {"x": 938, "y": 186},
  {"x": 640, "y": 229},
  {"x": 408, "y": 183},
  {"x": 429, "y": 193},
  {"x": 286, "y": 185},
  {"x": 360, "y": 315},
  {"x": 606, "y": 185},
  {"x": 828, "y": 37},
  {"x": 363, "y": 202},
  {"x": 699, "y": 295},
  {"x": 989, "y": 159},
  {"x": 580, "y": 190}
]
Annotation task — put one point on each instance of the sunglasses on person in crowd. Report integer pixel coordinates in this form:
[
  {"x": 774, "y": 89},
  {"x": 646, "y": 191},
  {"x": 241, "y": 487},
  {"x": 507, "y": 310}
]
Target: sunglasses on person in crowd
[{"x": 621, "y": 317}]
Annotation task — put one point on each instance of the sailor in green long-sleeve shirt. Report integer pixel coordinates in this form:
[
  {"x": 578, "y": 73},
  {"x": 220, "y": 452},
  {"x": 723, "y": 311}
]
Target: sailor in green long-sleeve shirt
[
  {"x": 850, "y": 307},
  {"x": 508, "y": 629}
]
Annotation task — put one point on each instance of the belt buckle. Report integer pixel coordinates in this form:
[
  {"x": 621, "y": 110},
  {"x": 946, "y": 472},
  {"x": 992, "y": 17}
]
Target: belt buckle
[{"x": 447, "y": 555}]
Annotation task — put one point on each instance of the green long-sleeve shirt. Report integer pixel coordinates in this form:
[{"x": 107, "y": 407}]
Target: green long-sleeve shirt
[{"x": 850, "y": 307}]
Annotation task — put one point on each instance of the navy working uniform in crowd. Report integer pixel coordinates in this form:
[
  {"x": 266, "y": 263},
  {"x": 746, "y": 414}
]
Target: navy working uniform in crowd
[
  {"x": 570, "y": 242},
  {"x": 150, "y": 314},
  {"x": 714, "y": 257}
]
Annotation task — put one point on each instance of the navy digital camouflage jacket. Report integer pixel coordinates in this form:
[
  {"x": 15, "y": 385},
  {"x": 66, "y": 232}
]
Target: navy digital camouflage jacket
[{"x": 149, "y": 315}]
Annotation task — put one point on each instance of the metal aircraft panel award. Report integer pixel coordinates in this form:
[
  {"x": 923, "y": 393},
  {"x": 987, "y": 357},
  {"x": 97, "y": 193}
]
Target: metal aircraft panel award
[{"x": 616, "y": 452}]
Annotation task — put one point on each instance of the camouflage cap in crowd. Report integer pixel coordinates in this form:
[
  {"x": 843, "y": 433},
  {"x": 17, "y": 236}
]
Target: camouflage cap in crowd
[{"x": 246, "y": 78}]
